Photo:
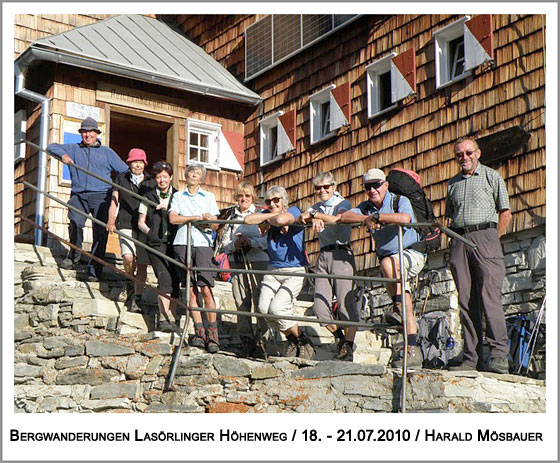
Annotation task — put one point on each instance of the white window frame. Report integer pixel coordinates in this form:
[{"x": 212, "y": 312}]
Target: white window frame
[
  {"x": 213, "y": 131},
  {"x": 269, "y": 154},
  {"x": 373, "y": 71},
  {"x": 316, "y": 117},
  {"x": 442, "y": 39},
  {"x": 20, "y": 129}
]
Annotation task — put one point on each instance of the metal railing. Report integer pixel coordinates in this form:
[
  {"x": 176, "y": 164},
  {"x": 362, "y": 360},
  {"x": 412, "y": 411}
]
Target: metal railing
[{"x": 188, "y": 267}]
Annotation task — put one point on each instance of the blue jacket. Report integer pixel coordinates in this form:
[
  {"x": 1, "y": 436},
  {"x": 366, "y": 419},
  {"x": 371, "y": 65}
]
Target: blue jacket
[{"x": 100, "y": 160}]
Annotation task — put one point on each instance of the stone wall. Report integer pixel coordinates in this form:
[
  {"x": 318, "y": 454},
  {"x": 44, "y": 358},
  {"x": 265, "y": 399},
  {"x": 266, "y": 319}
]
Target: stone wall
[{"x": 78, "y": 351}]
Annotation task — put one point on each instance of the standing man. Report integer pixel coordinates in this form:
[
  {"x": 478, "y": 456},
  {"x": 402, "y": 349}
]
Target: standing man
[
  {"x": 378, "y": 213},
  {"x": 335, "y": 258},
  {"x": 478, "y": 205},
  {"x": 89, "y": 194},
  {"x": 190, "y": 205}
]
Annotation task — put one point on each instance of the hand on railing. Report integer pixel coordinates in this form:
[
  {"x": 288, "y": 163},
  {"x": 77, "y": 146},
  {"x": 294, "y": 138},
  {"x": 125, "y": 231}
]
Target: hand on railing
[{"x": 66, "y": 159}]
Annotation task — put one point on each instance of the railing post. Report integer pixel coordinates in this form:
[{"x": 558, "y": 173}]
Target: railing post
[{"x": 404, "y": 318}]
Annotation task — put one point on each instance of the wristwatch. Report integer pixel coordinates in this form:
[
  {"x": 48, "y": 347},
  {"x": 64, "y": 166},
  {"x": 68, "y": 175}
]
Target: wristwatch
[
  {"x": 375, "y": 217},
  {"x": 313, "y": 212}
]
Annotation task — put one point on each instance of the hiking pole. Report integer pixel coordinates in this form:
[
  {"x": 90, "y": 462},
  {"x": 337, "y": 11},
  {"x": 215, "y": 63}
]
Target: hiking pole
[
  {"x": 532, "y": 339},
  {"x": 177, "y": 352},
  {"x": 253, "y": 284}
]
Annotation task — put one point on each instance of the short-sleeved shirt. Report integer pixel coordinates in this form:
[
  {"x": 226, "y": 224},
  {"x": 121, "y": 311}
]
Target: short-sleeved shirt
[
  {"x": 387, "y": 238},
  {"x": 287, "y": 249},
  {"x": 187, "y": 204},
  {"x": 339, "y": 234},
  {"x": 477, "y": 198}
]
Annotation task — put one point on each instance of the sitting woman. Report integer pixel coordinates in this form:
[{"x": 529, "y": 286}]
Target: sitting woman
[
  {"x": 286, "y": 253},
  {"x": 154, "y": 223}
]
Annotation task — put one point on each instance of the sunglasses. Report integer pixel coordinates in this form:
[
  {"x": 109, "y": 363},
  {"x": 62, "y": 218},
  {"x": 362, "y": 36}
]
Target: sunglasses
[
  {"x": 374, "y": 185},
  {"x": 269, "y": 201},
  {"x": 322, "y": 187},
  {"x": 467, "y": 153}
]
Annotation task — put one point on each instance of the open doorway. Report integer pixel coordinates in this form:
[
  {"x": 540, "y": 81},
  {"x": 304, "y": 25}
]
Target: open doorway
[{"x": 130, "y": 131}]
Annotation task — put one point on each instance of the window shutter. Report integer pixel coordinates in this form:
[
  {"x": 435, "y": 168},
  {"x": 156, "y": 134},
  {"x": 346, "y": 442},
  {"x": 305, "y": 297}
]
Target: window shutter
[
  {"x": 235, "y": 143},
  {"x": 479, "y": 42},
  {"x": 403, "y": 75},
  {"x": 287, "y": 132},
  {"x": 340, "y": 106}
]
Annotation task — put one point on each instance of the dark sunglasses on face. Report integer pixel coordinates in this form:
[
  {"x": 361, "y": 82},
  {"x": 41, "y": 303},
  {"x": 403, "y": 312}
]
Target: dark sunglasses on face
[
  {"x": 322, "y": 187},
  {"x": 374, "y": 185},
  {"x": 468, "y": 153},
  {"x": 269, "y": 201}
]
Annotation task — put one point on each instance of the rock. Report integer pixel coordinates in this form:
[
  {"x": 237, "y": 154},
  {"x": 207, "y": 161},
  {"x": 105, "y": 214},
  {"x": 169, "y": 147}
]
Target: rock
[
  {"x": 195, "y": 366},
  {"x": 21, "y": 322},
  {"x": 229, "y": 366},
  {"x": 536, "y": 254},
  {"x": 135, "y": 320},
  {"x": 72, "y": 362},
  {"x": 101, "y": 405},
  {"x": 73, "y": 351},
  {"x": 50, "y": 295},
  {"x": 49, "y": 312},
  {"x": 86, "y": 307},
  {"x": 151, "y": 349},
  {"x": 154, "y": 364},
  {"x": 336, "y": 368},
  {"x": 106, "y": 349},
  {"x": 264, "y": 372},
  {"x": 163, "y": 408},
  {"x": 21, "y": 335},
  {"x": 136, "y": 366},
  {"x": 514, "y": 258},
  {"x": 91, "y": 376},
  {"x": 56, "y": 341},
  {"x": 51, "y": 354},
  {"x": 519, "y": 281},
  {"x": 116, "y": 363},
  {"x": 114, "y": 391},
  {"x": 23, "y": 370}
]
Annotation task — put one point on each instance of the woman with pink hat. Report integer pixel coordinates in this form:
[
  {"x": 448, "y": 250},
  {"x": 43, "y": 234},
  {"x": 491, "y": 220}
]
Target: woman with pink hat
[{"x": 123, "y": 215}]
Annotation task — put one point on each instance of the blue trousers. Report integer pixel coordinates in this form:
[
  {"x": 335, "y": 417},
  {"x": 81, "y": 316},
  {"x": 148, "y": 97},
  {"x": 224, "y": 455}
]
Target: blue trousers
[{"x": 97, "y": 204}]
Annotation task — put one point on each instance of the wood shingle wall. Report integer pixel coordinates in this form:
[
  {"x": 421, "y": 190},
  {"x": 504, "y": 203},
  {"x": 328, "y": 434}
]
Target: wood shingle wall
[{"x": 419, "y": 135}]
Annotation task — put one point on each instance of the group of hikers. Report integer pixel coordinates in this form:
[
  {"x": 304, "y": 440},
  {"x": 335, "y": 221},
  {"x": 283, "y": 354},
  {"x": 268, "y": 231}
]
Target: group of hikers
[{"x": 272, "y": 238}]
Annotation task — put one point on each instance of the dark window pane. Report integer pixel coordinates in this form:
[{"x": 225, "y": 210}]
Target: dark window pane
[
  {"x": 385, "y": 91},
  {"x": 457, "y": 56}
]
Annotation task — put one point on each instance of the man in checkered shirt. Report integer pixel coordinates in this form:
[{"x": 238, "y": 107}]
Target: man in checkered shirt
[{"x": 478, "y": 204}]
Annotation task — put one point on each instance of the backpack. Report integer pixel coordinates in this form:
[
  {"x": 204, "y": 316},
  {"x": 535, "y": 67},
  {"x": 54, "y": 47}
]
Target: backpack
[
  {"x": 407, "y": 183},
  {"x": 435, "y": 340},
  {"x": 518, "y": 342},
  {"x": 222, "y": 262}
]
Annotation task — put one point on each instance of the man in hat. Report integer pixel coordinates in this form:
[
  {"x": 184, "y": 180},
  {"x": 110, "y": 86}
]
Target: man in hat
[
  {"x": 378, "y": 214},
  {"x": 123, "y": 215},
  {"x": 88, "y": 194},
  {"x": 478, "y": 205}
]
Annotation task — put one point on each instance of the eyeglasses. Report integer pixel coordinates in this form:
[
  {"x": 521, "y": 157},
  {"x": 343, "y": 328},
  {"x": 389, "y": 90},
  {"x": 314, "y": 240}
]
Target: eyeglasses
[
  {"x": 269, "y": 201},
  {"x": 468, "y": 153},
  {"x": 322, "y": 187},
  {"x": 244, "y": 195},
  {"x": 374, "y": 185}
]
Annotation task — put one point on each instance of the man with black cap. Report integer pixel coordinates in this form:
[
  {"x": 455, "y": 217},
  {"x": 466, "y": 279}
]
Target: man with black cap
[
  {"x": 378, "y": 214},
  {"x": 88, "y": 194}
]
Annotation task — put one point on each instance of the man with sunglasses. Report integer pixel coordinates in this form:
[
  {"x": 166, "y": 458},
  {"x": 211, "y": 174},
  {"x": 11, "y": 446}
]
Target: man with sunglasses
[
  {"x": 478, "y": 205},
  {"x": 335, "y": 258},
  {"x": 378, "y": 215}
]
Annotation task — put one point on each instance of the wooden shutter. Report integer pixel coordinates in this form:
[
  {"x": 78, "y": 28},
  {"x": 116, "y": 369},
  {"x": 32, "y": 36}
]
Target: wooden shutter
[
  {"x": 235, "y": 144},
  {"x": 287, "y": 132},
  {"x": 479, "y": 41},
  {"x": 403, "y": 75},
  {"x": 340, "y": 106}
]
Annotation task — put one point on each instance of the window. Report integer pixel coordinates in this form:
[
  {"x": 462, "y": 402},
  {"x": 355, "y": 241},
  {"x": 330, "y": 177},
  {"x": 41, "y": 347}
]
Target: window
[
  {"x": 329, "y": 110},
  {"x": 461, "y": 46},
  {"x": 20, "y": 124},
  {"x": 203, "y": 142},
  {"x": 276, "y": 38},
  {"x": 269, "y": 139},
  {"x": 390, "y": 80}
]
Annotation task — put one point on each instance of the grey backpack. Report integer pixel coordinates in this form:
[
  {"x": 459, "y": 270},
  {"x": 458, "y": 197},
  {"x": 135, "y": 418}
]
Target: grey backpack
[{"x": 435, "y": 340}]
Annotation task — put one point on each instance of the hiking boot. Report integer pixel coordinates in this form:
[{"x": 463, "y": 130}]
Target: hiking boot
[
  {"x": 306, "y": 349},
  {"x": 168, "y": 327},
  {"x": 414, "y": 358},
  {"x": 199, "y": 338},
  {"x": 465, "y": 366},
  {"x": 127, "y": 292},
  {"x": 132, "y": 305},
  {"x": 247, "y": 347},
  {"x": 69, "y": 264},
  {"x": 345, "y": 351},
  {"x": 259, "y": 351},
  {"x": 292, "y": 346},
  {"x": 393, "y": 318},
  {"x": 213, "y": 341},
  {"x": 498, "y": 365}
]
